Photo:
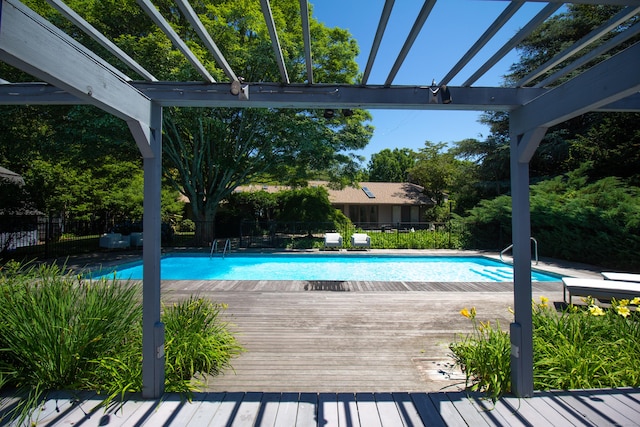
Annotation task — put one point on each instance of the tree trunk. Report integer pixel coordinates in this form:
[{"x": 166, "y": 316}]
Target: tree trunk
[{"x": 205, "y": 227}]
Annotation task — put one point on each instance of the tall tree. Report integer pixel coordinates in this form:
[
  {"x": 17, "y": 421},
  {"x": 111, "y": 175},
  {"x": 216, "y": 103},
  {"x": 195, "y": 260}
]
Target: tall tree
[
  {"x": 391, "y": 166},
  {"x": 435, "y": 170},
  {"x": 210, "y": 152},
  {"x": 568, "y": 144}
]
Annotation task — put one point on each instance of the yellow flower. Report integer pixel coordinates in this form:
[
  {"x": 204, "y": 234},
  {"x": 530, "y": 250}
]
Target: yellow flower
[
  {"x": 635, "y": 301},
  {"x": 623, "y": 310},
  {"x": 594, "y": 310},
  {"x": 484, "y": 326},
  {"x": 468, "y": 314},
  {"x": 624, "y": 302},
  {"x": 544, "y": 300}
]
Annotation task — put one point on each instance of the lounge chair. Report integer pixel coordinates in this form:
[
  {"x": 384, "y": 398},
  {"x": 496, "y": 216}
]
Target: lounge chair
[
  {"x": 332, "y": 240},
  {"x": 360, "y": 240},
  {"x": 601, "y": 289},
  {"x": 623, "y": 277},
  {"x": 114, "y": 240}
]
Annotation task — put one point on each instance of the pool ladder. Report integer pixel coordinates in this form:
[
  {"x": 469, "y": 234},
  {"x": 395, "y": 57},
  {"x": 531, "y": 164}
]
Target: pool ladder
[
  {"x": 214, "y": 248},
  {"x": 535, "y": 249}
]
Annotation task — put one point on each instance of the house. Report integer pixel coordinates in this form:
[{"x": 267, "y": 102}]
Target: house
[
  {"x": 372, "y": 204},
  {"x": 376, "y": 204},
  {"x": 18, "y": 222}
]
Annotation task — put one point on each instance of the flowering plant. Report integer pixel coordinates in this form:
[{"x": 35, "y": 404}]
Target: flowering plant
[{"x": 592, "y": 345}]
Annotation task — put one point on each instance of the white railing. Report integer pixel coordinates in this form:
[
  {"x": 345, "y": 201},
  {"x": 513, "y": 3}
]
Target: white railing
[
  {"x": 214, "y": 248},
  {"x": 535, "y": 250},
  {"x": 227, "y": 245}
]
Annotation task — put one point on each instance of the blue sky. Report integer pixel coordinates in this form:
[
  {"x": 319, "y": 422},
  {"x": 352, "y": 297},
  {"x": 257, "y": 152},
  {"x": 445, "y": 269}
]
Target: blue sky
[{"x": 465, "y": 21}]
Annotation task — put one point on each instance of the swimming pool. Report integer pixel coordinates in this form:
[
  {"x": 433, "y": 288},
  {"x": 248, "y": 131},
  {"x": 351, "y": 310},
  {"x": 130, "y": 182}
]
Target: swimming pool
[{"x": 325, "y": 267}]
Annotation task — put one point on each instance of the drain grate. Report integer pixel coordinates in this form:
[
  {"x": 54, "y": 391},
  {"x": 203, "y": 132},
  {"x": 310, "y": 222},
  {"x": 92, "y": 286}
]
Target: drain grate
[{"x": 326, "y": 285}]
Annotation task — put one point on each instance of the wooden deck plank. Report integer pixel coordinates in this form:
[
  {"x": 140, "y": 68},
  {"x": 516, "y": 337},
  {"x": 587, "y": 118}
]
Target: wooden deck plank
[
  {"x": 57, "y": 406},
  {"x": 307, "y": 411},
  {"x": 268, "y": 410},
  {"x": 328, "y": 410},
  {"x": 521, "y": 409},
  {"x": 227, "y": 410},
  {"x": 465, "y": 407},
  {"x": 597, "y": 415},
  {"x": 560, "y": 408},
  {"x": 287, "y": 410},
  {"x": 487, "y": 411},
  {"x": 426, "y": 409},
  {"x": 367, "y": 410},
  {"x": 407, "y": 410},
  {"x": 348, "y": 410},
  {"x": 202, "y": 411},
  {"x": 561, "y": 413},
  {"x": 248, "y": 410},
  {"x": 628, "y": 396},
  {"x": 555, "y": 416},
  {"x": 174, "y": 411},
  {"x": 448, "y": 411},
  {"x": 388, "y": 410},
  {"x": 86, "y": 411},
  {"x": 142, "y": 411},
  {"x": 609, "y": 398}
]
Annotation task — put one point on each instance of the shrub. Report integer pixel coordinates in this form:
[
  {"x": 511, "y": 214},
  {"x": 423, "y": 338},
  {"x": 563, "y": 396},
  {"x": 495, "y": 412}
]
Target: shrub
[
  {"x": 53, "y": 325},
  {"x": 62, "y": 332},
  {"x": 197, "y": 342},
  {"x": 581, "y": 347},
  {"x": 484, "y": 357}
]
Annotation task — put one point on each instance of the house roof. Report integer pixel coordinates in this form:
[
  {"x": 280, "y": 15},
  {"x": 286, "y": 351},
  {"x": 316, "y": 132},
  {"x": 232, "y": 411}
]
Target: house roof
[
  {"x": 384, "y": 193},
  {"x": 6, "y": 174},
  {"x": 380, "y": 193}
]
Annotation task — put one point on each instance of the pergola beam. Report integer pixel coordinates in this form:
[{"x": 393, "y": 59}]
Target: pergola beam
[
  {"x": 199, "y": 28},
  {"x": 92, "y": 32},
  {"x": 589, "y": 91},
  {"x": 32, "y": 44},
  {"x": 275, "y": 41},
  {"x": 377, "y": 39},
  {"x": 306, "y": 36},
  {"x": 547, "y": 11},
  {"x": 500, "y": 21},
  {"x": 411, "y": 38},
  {"x": 622, "y": 16},
  {"x": 177, "y": 42},
  {"x": 273, "y": 95}
]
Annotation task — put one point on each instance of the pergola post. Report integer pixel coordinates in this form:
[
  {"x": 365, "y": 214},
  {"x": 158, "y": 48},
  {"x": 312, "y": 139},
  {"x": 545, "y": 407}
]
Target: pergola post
[
  {"x": 521, "y": 330},
  {"x": 153, "y": 359}
]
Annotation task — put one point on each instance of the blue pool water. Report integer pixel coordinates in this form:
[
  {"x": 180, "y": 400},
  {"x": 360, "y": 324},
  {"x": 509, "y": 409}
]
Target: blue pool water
[{"x": 323, "y": 267}]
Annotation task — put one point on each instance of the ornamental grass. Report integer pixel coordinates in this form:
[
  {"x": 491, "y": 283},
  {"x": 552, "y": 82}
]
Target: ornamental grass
[
  {"x": 580, "y": 347},
  {"x": 59, "y": 331}
]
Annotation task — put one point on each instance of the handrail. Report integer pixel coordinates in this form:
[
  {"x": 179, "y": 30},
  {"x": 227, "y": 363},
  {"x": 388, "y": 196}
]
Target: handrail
[
  {"x": 227, "y": 244},
  {"x": 214, "y": 246},
  {"x": 535, "y": 249}
]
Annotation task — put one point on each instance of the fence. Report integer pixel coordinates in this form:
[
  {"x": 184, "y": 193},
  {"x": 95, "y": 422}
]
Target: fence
[
  {"x": 53, "y": 238},
  {"x": 305, "y": 235}
]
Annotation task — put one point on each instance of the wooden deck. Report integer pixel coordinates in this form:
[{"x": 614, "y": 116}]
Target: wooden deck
[
  {"x": 324, "y": 353},
  {"x": 576, "y": 408}
]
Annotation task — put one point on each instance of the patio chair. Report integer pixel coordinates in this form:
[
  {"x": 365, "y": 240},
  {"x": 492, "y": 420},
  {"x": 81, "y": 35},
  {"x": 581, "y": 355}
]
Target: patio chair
[
  {"x": 601, "y": 289},
  {"x": 332, "y": 240},
  {"x": 114, "y": 241},
  {"x": 360, "y": 240},
  {"x": 623, "y": 277}
]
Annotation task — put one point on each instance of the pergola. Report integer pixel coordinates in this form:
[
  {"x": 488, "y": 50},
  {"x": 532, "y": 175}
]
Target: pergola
[{"x": 70, "y": 73}]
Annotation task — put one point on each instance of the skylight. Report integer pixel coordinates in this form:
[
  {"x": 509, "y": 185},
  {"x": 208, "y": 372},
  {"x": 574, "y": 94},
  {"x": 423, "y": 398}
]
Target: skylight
[{"x": 368, "y": 193}]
